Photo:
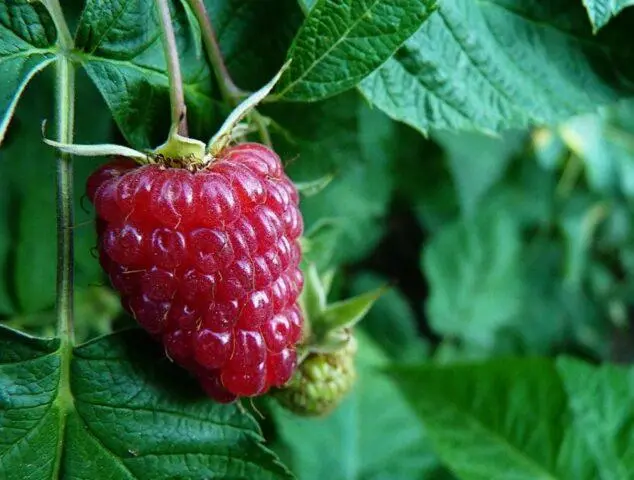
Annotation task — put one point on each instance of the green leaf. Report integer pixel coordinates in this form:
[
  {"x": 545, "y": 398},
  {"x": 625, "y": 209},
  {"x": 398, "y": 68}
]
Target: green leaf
[
  {"x": 30, "y": 184},
  {"x": 30, "y": 415},
  {"x": 391, "y": 322},
  {"x": 132, "y": 415},
  {"x": 502, "y": 419},
  {"x": 122, "y": 52},
  {"x": 504, "y": 64},
  {"x": 7, "y": 237},
  {"x": 27, "y": 37},
  {"x": 477, "y": 162},
  {"x": 601, "y": 11},
  {"x": 341, "y": 42},
  {"x": 474, "y": 271},
  {"x": 373, "y": 434},
  {"x": 344, "y": 136},
  {"x": 601, "y": 400}
]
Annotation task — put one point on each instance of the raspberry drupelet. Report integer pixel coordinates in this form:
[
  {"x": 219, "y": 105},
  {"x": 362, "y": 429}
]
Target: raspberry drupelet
[{"x": 207, "y": 262}]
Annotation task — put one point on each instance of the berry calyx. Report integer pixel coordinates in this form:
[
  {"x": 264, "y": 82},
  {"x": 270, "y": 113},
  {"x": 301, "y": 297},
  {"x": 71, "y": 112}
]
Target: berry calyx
[{"x": 206, "y": 259}]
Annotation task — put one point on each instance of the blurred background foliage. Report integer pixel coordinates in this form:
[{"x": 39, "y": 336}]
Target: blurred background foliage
[{"x": 512, "y": 244}]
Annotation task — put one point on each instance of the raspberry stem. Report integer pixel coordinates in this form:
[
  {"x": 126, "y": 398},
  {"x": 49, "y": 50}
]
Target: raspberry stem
[
  {"x": 65, "y": 247},
  {"x": 65, "y": 116},
  {"x": 177, "y": 97},
  {"x": 230, "y": 92},
  {"x": 228, "y": 89}
]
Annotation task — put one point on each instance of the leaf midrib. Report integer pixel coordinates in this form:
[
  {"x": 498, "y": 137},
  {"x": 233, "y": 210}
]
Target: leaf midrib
[
  {"x": 327, "y": 52},
  {"x": 109, "y": 27},
  {"x": 190, "y": 88}
]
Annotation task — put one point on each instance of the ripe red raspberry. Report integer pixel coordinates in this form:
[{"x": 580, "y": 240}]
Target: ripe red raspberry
[{"x": 208, "y": 263}]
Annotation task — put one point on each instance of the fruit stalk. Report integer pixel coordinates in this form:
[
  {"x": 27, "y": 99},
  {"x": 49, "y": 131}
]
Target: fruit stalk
[
  {"x": 177, "y": 97},
  {"x": 228, "y": 89}
]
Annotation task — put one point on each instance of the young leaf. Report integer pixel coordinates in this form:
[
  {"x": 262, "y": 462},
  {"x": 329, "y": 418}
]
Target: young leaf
[
  {"x": 601, "y": 11},
  {"x": 27, "y": 37},
  {"x": 352, "y": 441},
  {"x": 341, "y": 42},
  {"x": 126, "y": 408},
  {"x": 500, "y": 65},
  {"x": 501, "y": 419}
]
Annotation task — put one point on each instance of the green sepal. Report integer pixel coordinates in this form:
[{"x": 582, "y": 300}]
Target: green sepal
[
  {"x": 313, "y": 187},
  {"x": 99, "y": 150},
  {"x": 329, "y": 327},
  {"x": 178, "y": 146},
  {"x": 347, "y": 313},
  {"x": 313, "y": 297},
  {"x": 224, "y": 135},
  {"x": 326, "y": 280},
  {"x": 320, "y": 242}
]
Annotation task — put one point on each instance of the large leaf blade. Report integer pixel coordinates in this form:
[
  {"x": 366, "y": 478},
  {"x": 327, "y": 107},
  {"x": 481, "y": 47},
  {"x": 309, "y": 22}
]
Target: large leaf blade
[
  {"x": 501, "y": 419},
  {"x": 340, "y": 43},
  {"x": 496, "y": 65},
  {"x": 132, "y": 414}
]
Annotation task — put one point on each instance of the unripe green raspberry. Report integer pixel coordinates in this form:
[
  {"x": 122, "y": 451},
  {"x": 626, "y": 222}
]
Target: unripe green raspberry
[{"x": 321, "y": 382}]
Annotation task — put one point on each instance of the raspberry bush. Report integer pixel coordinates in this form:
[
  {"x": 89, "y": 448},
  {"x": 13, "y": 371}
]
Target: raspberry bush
[{"x": 316, "y": 239}]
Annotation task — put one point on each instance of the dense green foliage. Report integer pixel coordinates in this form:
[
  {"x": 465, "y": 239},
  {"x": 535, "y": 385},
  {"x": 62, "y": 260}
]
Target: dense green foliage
[{"x": 482, "y": 156}]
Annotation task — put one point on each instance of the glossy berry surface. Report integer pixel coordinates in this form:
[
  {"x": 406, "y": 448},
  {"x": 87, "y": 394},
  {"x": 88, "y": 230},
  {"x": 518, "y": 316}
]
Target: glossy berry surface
[{"x": 208, "y": 263}]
